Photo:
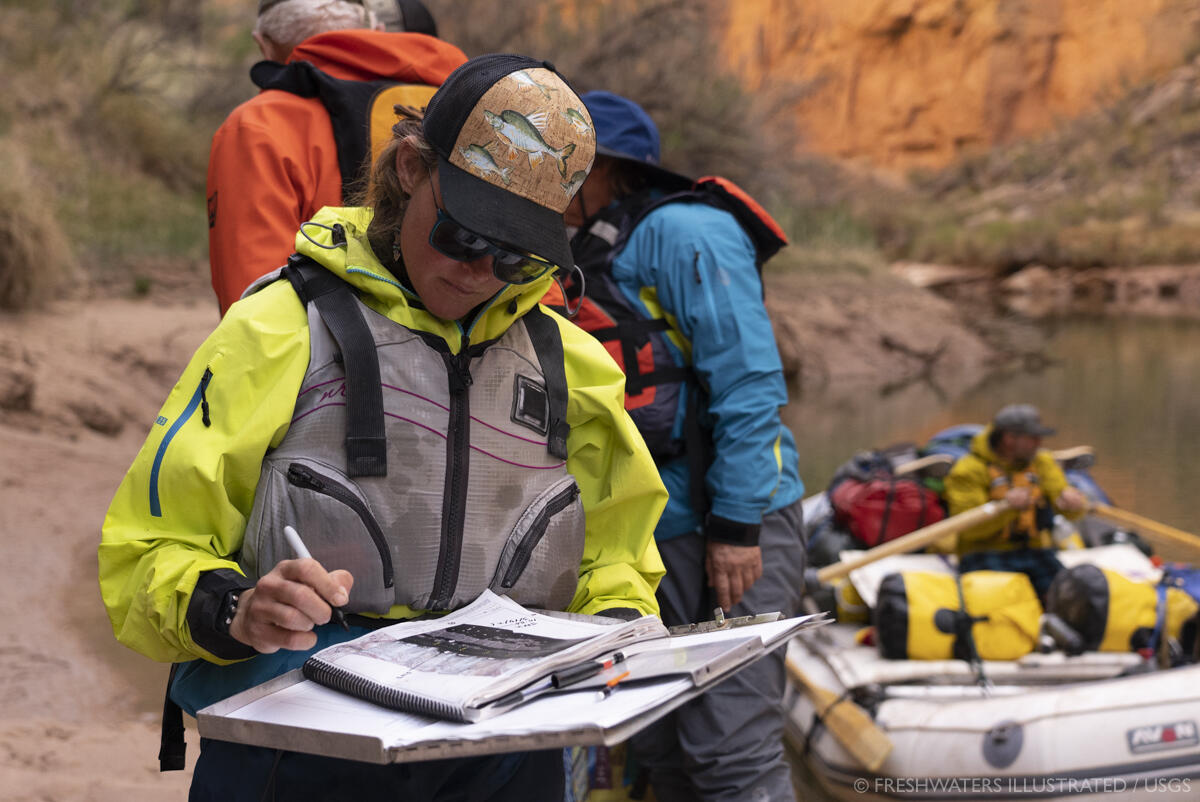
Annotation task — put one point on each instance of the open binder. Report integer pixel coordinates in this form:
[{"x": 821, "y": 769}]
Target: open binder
[
  {"x": 297, "y": 714},
  {"x": 473, "y": 663}
]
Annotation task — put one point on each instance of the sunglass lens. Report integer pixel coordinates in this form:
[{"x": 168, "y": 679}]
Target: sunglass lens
[
  {"x": 515, "y": 268},
  {"x": 457, "y": 242},
  {"x": 466, "y": 246}
]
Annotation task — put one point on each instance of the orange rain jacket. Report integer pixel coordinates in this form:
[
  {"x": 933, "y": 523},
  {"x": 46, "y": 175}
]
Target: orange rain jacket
[{"x": 274, "y": 161}]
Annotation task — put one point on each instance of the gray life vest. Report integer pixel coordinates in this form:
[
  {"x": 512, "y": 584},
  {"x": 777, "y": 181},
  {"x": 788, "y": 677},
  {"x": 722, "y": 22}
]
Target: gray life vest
[{"x": 451, "y": 481}]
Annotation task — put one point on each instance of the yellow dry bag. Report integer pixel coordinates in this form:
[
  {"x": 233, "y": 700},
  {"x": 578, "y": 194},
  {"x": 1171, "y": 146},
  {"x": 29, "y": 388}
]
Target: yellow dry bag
[
  {"x": 919, "y": 616},
  {"x": 1115, "y": 614}
]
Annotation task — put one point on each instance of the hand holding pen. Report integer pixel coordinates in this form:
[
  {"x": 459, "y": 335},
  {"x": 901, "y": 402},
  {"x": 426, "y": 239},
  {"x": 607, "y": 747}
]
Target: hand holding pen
[
  {"x": 302, "y": 553},
  {"x": 282, "y": 609}
]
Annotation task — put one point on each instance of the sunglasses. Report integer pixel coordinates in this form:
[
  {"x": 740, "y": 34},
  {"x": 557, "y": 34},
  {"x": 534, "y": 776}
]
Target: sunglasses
[{"x": 460, "y": 243}]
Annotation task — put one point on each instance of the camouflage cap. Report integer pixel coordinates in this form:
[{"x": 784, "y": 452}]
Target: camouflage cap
[{"x": 514, "y": 144}]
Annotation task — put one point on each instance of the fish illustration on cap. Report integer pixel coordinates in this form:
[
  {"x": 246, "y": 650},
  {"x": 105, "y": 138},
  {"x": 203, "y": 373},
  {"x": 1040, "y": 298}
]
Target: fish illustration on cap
[
  {"x": 523, "y": 78},
  {"x": 480, "y": 159},
  {"x": 572, "y": 185},
  {"x": 521, "y": 133},
  {"x": 575, "y": 117}
]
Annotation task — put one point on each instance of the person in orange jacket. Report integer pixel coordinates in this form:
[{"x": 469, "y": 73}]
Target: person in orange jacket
[{"x": 281, "y": 156}]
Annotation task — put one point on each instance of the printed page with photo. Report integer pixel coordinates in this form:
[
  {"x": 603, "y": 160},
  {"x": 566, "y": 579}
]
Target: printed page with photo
[{"x": 452, "y": 667}]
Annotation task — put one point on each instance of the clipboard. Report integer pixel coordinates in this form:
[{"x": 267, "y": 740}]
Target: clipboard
[{"x": 292, "y": 713}]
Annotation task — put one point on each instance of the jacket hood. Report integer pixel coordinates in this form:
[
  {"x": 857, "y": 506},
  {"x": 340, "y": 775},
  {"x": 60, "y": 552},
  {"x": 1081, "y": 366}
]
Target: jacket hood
[
  {"x": 980, "y": 447},
  {"x": 355, "y": 262},
  {"x": 362, "y": 55}
]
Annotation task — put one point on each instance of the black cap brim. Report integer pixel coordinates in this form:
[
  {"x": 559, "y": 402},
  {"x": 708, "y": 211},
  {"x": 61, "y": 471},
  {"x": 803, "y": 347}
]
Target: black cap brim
[
  {"x": 657, "y": 175},
  {"x": 504, "y": 217}
]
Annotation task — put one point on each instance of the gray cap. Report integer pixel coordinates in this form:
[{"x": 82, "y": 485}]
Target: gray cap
[{"x": 1021, "y": 419}]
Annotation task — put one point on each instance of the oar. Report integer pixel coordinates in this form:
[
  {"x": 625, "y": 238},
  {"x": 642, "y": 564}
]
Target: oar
[
  {"x": 915, "y": 540},
  {"x": 937, "y": 464},
  {"x": 1151, "y": 530},
  {"x": 852, "y": 726}
]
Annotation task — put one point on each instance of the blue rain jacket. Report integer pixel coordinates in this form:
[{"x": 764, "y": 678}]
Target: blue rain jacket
[{"x": 694, "y": 264}]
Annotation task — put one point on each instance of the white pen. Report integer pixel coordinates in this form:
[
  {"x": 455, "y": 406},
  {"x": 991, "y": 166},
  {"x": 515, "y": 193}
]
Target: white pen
[{"x": 301, "y": 552}]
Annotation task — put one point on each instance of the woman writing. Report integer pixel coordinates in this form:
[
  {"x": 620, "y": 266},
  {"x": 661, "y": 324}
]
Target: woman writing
[{"x": 400, "y": 398}]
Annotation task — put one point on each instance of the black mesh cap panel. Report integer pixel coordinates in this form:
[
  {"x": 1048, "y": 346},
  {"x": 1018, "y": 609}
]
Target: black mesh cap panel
[{"x": 456, "y": 99}]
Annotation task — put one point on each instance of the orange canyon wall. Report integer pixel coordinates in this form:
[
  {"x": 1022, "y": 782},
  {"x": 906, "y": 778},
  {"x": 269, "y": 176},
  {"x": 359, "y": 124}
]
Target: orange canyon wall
[{"x": 905, "y": 83}]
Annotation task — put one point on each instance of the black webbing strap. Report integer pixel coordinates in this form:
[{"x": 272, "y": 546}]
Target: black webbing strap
[
  {"x": 965, "y": 637},
  {"x": 416, "y": 18},
  {"x": 547, "y": 342},
  {"x": 172, "y": 748},
  {"x": 348, "y": 102},
  {"x": 366, "y": 442},
  {"x": 631, "y": 336},
  {"x": 698, "y": 444},
  {"x": 887, "y": 508}
]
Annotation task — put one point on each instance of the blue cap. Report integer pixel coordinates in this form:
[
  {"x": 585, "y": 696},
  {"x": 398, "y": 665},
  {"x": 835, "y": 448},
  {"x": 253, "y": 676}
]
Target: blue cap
[{"x": 625, "y": 131}]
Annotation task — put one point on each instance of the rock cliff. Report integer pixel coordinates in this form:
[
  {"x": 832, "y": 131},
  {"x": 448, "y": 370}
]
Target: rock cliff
[{"x": 904, "y": 83}]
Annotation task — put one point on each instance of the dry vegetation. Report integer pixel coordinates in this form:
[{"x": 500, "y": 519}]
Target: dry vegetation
[
  {"x": 1120, "y": 187},
  {"x": 104, "y": 130},
  {"x": 109, "y": 108}
]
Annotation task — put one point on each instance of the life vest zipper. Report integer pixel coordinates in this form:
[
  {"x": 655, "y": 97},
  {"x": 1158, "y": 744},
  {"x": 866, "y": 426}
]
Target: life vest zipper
[
  {"x": 458, "y": 455},
  {"x": 302, "y": 476},
  {"x": 536, "y": 531}
]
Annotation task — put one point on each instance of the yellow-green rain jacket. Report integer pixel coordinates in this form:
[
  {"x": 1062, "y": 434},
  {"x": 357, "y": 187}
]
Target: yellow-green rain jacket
[
  {"x": 969, "y": 485},
  {"x": 183, "y": 506}
]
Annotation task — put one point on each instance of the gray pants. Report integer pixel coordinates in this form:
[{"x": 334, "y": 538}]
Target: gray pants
[{"x": 727, "y": 745}]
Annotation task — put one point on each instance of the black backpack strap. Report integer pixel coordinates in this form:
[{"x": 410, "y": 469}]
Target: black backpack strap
[
  {"x": 547, "y": 342},
  {"x": 632, "y": 336},
  {"x": 416, "y": 17},
  {"x": 348, "y": 103},
  {"x": 698, "y": 447},
  {"x": 366, "y": 442},
  {"x": 172, "y": 748}
]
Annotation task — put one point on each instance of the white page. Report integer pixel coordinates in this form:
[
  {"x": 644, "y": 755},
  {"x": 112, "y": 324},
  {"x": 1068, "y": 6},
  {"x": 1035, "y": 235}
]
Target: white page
[
  {"x": 549, "y": 714},
  {"x": 310, "y": 705},
  {"x": 390, "y": 658}
]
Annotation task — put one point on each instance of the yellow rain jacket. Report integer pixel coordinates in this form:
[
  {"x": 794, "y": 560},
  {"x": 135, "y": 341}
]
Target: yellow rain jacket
[
  {"x": 183, "y": 506},
  {"x": 980, "y": 476}
]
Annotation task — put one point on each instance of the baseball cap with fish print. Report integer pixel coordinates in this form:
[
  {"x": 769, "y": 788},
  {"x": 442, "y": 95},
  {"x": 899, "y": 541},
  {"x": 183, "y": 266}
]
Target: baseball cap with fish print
[{"x": 514, "y": 144}]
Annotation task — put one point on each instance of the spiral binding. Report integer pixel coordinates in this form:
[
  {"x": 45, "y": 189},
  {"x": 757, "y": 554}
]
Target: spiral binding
[{"x": 338, "y": 678}]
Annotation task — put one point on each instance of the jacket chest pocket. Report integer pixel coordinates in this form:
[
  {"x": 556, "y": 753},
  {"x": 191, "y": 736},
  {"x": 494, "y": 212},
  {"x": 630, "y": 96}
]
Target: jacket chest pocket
[
  {"x": 335, "y": 522},
  {"x": 539, "y": 565}
]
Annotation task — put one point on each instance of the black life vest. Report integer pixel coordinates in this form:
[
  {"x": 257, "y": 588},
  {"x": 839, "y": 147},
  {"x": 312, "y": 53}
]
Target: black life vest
[
  {"x": 362, "y": 112},
  {"x": 653, "y": 380}
]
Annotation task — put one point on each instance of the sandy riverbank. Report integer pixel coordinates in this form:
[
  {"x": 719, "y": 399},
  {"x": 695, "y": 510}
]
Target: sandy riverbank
[{"x": 80, "y": 384}]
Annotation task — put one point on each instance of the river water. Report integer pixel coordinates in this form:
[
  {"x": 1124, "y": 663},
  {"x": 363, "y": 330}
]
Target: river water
[{"x": 1129, "y": 388}]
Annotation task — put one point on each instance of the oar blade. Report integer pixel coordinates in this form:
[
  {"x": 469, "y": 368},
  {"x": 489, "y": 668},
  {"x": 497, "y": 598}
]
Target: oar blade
[{"x": 848, "y": 723}]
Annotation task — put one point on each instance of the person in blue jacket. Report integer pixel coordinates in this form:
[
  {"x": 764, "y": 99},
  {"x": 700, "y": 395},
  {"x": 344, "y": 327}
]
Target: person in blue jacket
[{"x": 674, "y": 291}]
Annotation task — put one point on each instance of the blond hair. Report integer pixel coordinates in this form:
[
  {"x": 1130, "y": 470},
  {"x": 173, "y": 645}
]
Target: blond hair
[{"x": 383, "y": 192}]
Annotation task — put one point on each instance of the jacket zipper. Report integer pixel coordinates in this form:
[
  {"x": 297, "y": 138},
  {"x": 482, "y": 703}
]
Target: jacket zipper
[
  {"x": 302, "y": 476},
  {"x": 197, "y": 399},
  {"x": 536, "y": 531},
  {"x": 458, "y": 454}
]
